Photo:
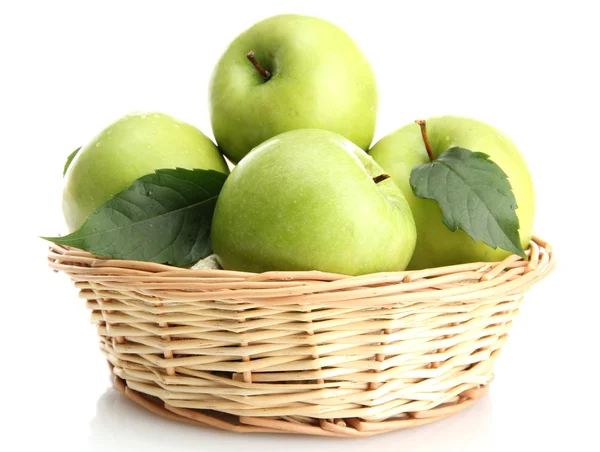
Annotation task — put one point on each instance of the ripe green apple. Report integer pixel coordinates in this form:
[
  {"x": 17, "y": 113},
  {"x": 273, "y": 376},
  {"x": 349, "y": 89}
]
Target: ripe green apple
[
  {"x": 304, "y": 73},
  {"x": 131, "y": 147},
  {"x": 404, "y": 149},
  {"x": 307, "y": 200}
]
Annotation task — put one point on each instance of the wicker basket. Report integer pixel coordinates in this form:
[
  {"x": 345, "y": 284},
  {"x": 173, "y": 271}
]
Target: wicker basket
[{"x": 303, "y": 352}]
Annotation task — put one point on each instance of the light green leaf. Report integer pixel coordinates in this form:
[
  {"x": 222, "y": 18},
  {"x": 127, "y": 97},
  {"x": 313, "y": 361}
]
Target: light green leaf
[{"x": 70, "y": 159}]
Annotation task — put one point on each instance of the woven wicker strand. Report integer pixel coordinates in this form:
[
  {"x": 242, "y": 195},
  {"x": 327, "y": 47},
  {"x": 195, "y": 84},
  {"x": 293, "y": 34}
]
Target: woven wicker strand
[{"x": 303, "y": 352}]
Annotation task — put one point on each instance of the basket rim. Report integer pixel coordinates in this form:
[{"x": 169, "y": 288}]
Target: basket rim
[{"x": 464, "y": 282}]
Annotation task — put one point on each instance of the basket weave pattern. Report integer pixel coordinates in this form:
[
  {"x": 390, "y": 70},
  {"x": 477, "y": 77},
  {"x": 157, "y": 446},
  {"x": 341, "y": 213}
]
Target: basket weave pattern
[{"x": 303, "y": 352}]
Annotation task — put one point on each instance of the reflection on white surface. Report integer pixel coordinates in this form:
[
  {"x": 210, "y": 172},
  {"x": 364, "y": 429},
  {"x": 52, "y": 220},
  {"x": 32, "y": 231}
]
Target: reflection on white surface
[{"x": 120, "y": 425}]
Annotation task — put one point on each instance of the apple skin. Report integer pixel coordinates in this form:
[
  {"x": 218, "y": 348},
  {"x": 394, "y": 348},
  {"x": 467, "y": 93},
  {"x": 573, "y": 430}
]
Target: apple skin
[
  {"x": 131, "y": 147},
  {"x": 320, "y": 79},
  {"x": 399, "y": 152},
  {"x": 306, "y": 200}
]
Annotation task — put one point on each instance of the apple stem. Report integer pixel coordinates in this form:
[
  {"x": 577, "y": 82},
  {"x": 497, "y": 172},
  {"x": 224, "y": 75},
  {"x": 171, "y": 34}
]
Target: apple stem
[
  {"x": 263, "y": 72},
  {"x": 422, "y": 125},
  {"x": 381, "y": 178}
]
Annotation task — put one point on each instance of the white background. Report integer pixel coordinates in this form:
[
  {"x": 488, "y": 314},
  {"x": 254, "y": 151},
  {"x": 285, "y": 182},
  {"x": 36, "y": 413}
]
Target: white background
[{"x": 69, "y": 69}]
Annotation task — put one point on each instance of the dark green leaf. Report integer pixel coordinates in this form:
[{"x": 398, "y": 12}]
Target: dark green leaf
[
  {"x": 70, "y": 159},
  {"x": 163, "y": 217},
  {"x": 474, "y": 195}
]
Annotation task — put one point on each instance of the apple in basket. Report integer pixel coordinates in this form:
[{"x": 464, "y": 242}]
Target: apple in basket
[
  {"x": 311, "y": 199},
  {"x": 291, "y": 72},
  {"x": 127, "y": 149},
  {"x": 464, "y": 179}
]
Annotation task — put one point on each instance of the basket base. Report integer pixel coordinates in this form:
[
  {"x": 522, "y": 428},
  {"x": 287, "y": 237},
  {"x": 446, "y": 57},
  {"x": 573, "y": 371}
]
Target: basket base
[{"x": 346, "y": 428}]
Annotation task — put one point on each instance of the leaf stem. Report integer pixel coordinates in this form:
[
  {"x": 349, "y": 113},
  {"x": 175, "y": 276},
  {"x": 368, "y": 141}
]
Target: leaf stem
[
  {"x": 381, "y": 178},
  {"x": 423, "y": 126},
  {"x": 266, "y": 75}
]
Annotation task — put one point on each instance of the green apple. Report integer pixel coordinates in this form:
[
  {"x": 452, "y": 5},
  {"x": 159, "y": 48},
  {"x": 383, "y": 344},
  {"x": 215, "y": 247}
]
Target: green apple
[
  {"x": 311, "y": 200},
  {"x": 131, "y": 147},
  {"x": 304, "y": 73},
  {"x": 404, "y": 149}
]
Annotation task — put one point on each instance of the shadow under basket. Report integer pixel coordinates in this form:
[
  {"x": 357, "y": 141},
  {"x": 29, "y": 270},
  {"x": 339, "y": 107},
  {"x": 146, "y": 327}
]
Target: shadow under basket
[{"x": 303, "y": 352}]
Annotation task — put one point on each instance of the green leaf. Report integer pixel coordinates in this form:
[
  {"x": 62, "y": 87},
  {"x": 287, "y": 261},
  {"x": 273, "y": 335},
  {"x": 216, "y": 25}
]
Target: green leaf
[
  {"x": 163, "y": 217},
  {"x": 474, "y": 195},
  {"x": 70, "y": 159}
]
